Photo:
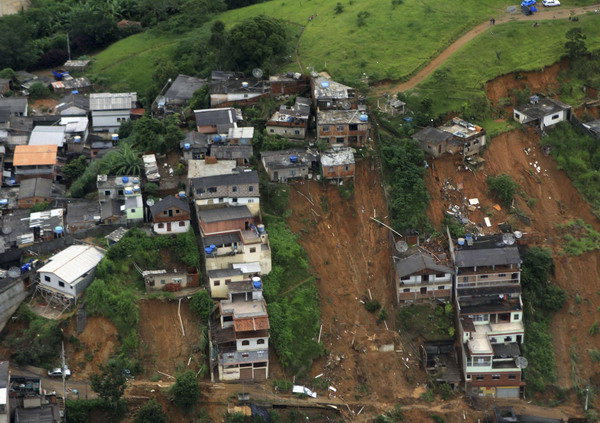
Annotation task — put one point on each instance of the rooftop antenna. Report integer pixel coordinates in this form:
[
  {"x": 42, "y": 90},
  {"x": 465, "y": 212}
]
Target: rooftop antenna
[{"x": 257, "y": 73}]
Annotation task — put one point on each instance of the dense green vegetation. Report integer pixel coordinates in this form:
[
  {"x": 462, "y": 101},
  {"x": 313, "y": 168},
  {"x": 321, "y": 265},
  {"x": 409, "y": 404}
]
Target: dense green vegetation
[
  {"x": 403, "y": 163},
  {"x": 432, "y": 323},
  {"x": 541, "y": 299},
  {"x": 580, "y": 237},
  {"x": 185, "y": 392},
  {"x": 292, "y": 299},
  {"x": 151, "y": 412},
  {"x": 503, "y": 188},
  {"x": 115, "y": 289},
  {"x": 110, "y": 383},
  {"x": 579, "y": 155},
  {"x": 79, "y": 411},
  {"x": 150, "y": 134}
]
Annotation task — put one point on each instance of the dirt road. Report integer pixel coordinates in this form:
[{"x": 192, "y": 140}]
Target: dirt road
[{"x": 421, "y": 75}]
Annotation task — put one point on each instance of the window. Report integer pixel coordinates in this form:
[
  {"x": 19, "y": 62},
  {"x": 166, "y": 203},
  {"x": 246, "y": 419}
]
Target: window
[
  {"x": 47, "y": 278},
  {"x": 253, "y": 250},
  {"x": 177, "y": 211},
  {"x": 468, "y": 377},
  {"x": 353, "y": 127},
  {"x": 480, "y": 318},
  {"x": 346, "y": 167},
  {"x": 493, "y": 340},
  {"x": 441, "y": 287},
  {"x": 502, "y": 275},
  {"x": 406, "y": 290},
  {"x": 340, "y": 128},
  {"x": 405, "y": 278},
  {"x": 331, "y": 169},
  {"x": 508, "y": 339},
  {"x": 120, "y": 192},
  {"x": 250, "y": 200},
  {"x": 107, "y": 192},
  {"x": 162, "y": 282},
  {"x": 200, "y": 191},
  {"x": 271, "y": 130},
  {"x": 61, "y": 284},
  {"x": 479, "y": 377},
  {"x": 512, "y": 377},
  {"x": 465, "y": 279},
  {"x": 132, "y": 210},
  {"x": 516, "y": 317},
  {"x": 325, "y": 128},
  {"x": 217, "y": 283},
  {"x": 227, "y": 281},
  {"x": 296, "y": 132},
  {"x": 251, "y": 188},
  {"x": 554, "y": 117},
  {"x": 212, "y": 189},
  {"x": 245, "y": 95},
  {"x": 182, "y": 223},
  {"x": 440, "y": 275},
  {"x": 517, "y": 116},
  {"x": 177, "y": 280},
  {"x": 161, "y": 225},
  {"x": 245, "y": 343},
  {"x": 483, "y": 276},
  {"x": 234, "y": 189},
  {"x": 260, "y": 341},
  {"x": 245, "y": 355},
  {"x": 496, "y": 377}
]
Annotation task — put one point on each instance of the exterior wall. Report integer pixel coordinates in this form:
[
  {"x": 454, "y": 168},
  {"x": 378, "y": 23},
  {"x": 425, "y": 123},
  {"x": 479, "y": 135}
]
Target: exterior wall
[
  {"x": 158, "y": 282},
  {"x": 11, "y": 296},
  {"x": 519, "y": 116},
  {"x": 230, "y": 191},
  {"x": 434, "y": 150},
  {"x": 500, "y": 379},
  {"x": 340, "y": 171},
  {"x": 474, "y": 145},
  {"x": 218, "y": 286},
  {"x": 341, "y": 133},
  {"x": 252, "y": 344},
  {"x": 282, "y": 175},
  {"x": 26, "y": 203},
  {"x": 235, "y": 372},
  {"x": 208, "y": 129},
  {"x": 414, "y": 294},
  {"x": 28, "y": 172},
  {"x": 478, "y": 278},
  {"x": 167, "y": 228},
  {"x": 108, "y": 120},
  {"x": 136, "y": 213},
  {"x": 230, "y": 99},
  {"x": 262, "y": 255},
  {"x": 253, "y": 203},
  {"x": 72, "y": 291},
  {"x": 555, "y": 118},
  {"x": 224, "y": 226},
  {"x": 292, "y": 131}
]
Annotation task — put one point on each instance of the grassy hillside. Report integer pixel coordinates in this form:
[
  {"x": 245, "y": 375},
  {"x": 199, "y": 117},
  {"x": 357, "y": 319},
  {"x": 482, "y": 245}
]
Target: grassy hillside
[{"x": 510, "y": 47}]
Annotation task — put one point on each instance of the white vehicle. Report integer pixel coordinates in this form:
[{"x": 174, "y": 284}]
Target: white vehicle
[
  {"x": 58, "y": 372},
  {"x": 550, "y": 3}
]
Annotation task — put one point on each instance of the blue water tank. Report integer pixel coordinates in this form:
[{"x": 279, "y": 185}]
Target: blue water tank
[
  {"x": 128, "y": 191},
  {"x": 325, "y": 84},
  {"x": 363, "y": 118},
  {"x": 256, "y": 283},
  {"x": 25, "y": 267},
  {"x": 59, "y": 229},
  {"x": 294, "y": 159},
  {"x": 208, "y": 250},
  {"x": 217, "y": 138},
  {"x": 181, "y": 194},
  {"x": 3, "y": 201},
  {"x": 125, "y": 179},
  {"x": 75, "y": 92},
  {"x": 187, "y": 146},
  {"x": 469, "y": 236},
  {"x": 135, "y": 181},
  {"x": 461, "y": 241},
  {"x": 115, "y": 137},
  {"x": 77, "y": 139}
]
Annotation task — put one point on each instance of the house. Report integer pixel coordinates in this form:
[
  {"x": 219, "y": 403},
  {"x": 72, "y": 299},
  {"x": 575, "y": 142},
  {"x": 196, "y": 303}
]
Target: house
[
  {"x": 439, "y": 359},
  {"x": 210, "y": 166},
  {"x": 34, "y": 191},
  {"x": 331, "y": 95},
  {"x": 194, "y": 146},
  {"x": 68, "y": 273},
  {"x": 46, "y": 225},
  {"x": 338, "y": 163},
  {"x": 170, "y": 215},
  {"x": 420, "y": 279},
  {"x": 80, "y": 85},
  {"x": 4, "y": 85},
  {"x": 217, "y": 121},
  {"x": 47, "y": 413},
  {"x": 73, "y": 105},
  {"x": 347, "y": 127},
  {"x": 225, "y": 75},
  {"x": 468, "y": 138},
  {"x": 237, "y": 189},
  {"x": 4, "y": 388},
  {"x": 48, "y": 135},
  {"x": 100, "y": 146},
  {"x": 76, "y": 132},
  {"x": 13, "y": 106},
  {"x": 171, "y": 280},
  {"x": 487, "y": 294},
  {"x": 76, "y": 65},
  {"x": 433, "y": 141},
  {"x": 120, "y": 199},
  {"x": 291, "y": 122},
  {"x": 233, "y": 238},
  {"x": 178, "y": 95},
  {"x": 239, "y": 334},
  {"x": 219, "y": 280},
  {"x": 35, "y": 161},
  {"x": 82, "y": 215},
  {"x": 289, "y": 164},
  {"x": 292, "y": 83},
  {"x": 542, "y": 111},
  {"x": 115, "y": 236},
  {"x": 240, "y": 135},
  {"x": 109, "y": 110},
  {"x": 151, "y": 168},
  {"x": 240, "y": 153},
  {"x": 238, "y": 91}
]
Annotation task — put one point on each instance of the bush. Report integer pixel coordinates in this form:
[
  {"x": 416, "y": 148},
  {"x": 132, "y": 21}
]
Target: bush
[
  {"x": 37, "y": 90},
  {"x": 185, "y": 392},
  {"x": 151, "y": 412},
  {"x": 503, "y": 188},
  {"x": 594, "y": 355},
  {"x": 372, "y": 306},
  {"x": 202, "y": 305}
]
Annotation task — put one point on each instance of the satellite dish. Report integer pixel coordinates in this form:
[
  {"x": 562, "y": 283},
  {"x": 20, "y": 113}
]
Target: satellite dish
[
  {"x": 402, "y": 246},
  {"x": 521, "y": 362},
  {"x": 149, "y": 202},
  {"x": 518, "y": 234},
  {"x": 508, "y": 239},
  {"x": 346, "y": 105},
  {"x": 6, "y": 230},
  {"x": 14, "y": 272},
  {"x": 257, "y": 73}
]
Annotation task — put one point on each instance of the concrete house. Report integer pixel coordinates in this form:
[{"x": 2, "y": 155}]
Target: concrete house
[
  {"x": 237, "y": 189},
  {"x": 291, "y": 122},
  {"x": 170, "y": 215},
  {"x": 73, "y": 105},
  {"x": 542, "y": 111},
  {"x": 68, "y": 273},
  {"x": 109, "y": 110},
  {"x": 194, "y": 146},
  {"x": 240, "y": 135},
  {"x": 35, "y": 161},
  {"x": 347, "y": 127},
  {"x": 331, "y": 95},
  {"x": 433, "y": 141},
  {"x": 338, "y": 164},
  {"x": 217, "y": 121},
  {"x": 490, "y": 312},
  {"x": 34, "y": 191},
  {"x": 292, "y": 83},
  {"x": 48, "y": 135},
  {"x": 76, "y": 65},
  {"x": 178, "y": 94},
  {"x": 240, "y": 153},
  {"x": 82, "y": 215},
  {"x": 420, "y": 279},
  {"x": 170, "y": 280},
  {"x": 13, "y": 106},
  {"x": 81, "y": 85},
  {"x": 239, "y": 335},
  {"x": 120, "y": 199},
  {"x": 284, "y": 165},
  {"x": 219, "y": 280},
  {"x": 238, "y": 91},
  {"x": 456, "y": 136},
  {"x": 76, "y": 132}
]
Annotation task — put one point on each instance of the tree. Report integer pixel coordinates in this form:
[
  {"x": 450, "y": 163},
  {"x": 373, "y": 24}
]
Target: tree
[
  {"x": 202, "y": 305},
  {"x": 151, "y": 412},
  {"x": 575, "y": 44},
  {"x": 339, "y": 8},
  {"x": 503, "y": 187},
  {"x": 200, "y": 99},
  {"x": 163, "y": 71},
  {"x": 124, "y": 161},
  {"x": 362, "y": 18},
  {"x": 38, "y": 90},
  {"x": 185, "y": 392},
  {"x": 110, "y": 383},
  {"x": 92, "y": 29},
  {"x": 257, "y": 42},
  {"x": 75, "y": 168},
  {"x": 16, "y": 48}
]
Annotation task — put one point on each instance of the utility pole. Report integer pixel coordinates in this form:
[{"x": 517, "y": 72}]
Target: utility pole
[
  {"x": 68, "y": 47},
  {"x": 64, "y": 378}
]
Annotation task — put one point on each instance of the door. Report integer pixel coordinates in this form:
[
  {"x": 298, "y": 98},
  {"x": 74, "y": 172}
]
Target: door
[
  {"x": 424, "y": 291},
  {"x": 168, "y": 226},
  {"x": 246, "y": 373},
  {"x": 276, "y": 175},
  {"x": 507, "y": 392},
  {"x": 260, "y": 374}
]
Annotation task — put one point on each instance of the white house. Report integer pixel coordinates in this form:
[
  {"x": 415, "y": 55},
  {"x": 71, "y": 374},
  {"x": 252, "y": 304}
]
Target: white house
[
  {"x": 542, "y": 111},
  {"x": 4, "y": 385},
  {"x": 171, "y": 215},
  {"x": 69, "y": 272},
  {"x": 109, "y": 110}
]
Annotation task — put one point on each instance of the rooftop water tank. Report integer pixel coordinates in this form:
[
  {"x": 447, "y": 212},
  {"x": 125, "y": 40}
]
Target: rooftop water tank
[
  {"x": 363, "y": 118},
  {"x": 261, "y": 228},
  {"x": 135, "y": 181},
  {"x": 187, "y": 146},
  {"x": 128, "y": 191},
  {"x": 461, "y": 241},
  {"x": 58, "y": 230},
  {"x": 217, "y": 138},
  {"x": 75, "y": 92},
  {"x": 136, "y": 188},
  {"x": 3, "y": 201},
  {"x": 294, "y": 159},
  {"x": 76, "y": 139},
  {"x": 181, "y": 194},
  {"x": 125, "y": 179},
  {"x": 244, "y": 84},
  {"x": 115, "y": 137},
  {"x": 256, "y": 283},
  {"x": 325, "y": 84}
]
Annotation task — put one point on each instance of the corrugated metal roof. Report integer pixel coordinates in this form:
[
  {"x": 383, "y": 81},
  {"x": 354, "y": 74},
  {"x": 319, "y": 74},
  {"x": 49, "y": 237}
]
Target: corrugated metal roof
[
  {"x": 48, "y": 135},
  {"x": 488, "y": 257},
  {"x": 417, "y": 263},
  {"x": 73, "y": 262},
  {"x": 112, "y": 101}
]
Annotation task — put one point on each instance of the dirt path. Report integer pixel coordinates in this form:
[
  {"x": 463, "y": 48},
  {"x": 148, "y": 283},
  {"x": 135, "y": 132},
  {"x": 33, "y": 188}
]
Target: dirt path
[
  {"x": 543, "y": 15},
  {"x": 350, "y": 255}
]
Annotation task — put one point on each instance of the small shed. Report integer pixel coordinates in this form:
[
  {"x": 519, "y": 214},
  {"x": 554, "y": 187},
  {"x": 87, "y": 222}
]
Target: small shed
[{"x": 76, "y": 65}]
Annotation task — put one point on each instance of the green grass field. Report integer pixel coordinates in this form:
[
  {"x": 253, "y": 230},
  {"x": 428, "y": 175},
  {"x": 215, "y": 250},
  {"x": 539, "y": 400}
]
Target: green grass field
[{"x": 521, "y": 48}]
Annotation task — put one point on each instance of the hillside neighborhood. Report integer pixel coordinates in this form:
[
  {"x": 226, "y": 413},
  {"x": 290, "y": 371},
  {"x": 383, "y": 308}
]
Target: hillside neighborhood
[{"x": 240, "y": 234}]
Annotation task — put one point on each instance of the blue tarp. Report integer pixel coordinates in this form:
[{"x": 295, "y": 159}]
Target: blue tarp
[
  {"x": 528, "y": 3},
  {"x": 533, "y": 9}
]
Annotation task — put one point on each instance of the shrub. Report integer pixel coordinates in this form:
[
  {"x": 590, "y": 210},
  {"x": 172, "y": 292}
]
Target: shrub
[
  {"x": 339, "y": 8},
  {"x": 202, "y": 305},
  {"x": 37, "y": 90},
  {"x": 594, "y": 329},
  {"x": 594, "y": 355},
  {"x": 151, "y": 412},
  {"x": 372, "y": 306},
  {"x": 503, "y": 188},
  {"x": 185, "y": 392}
]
